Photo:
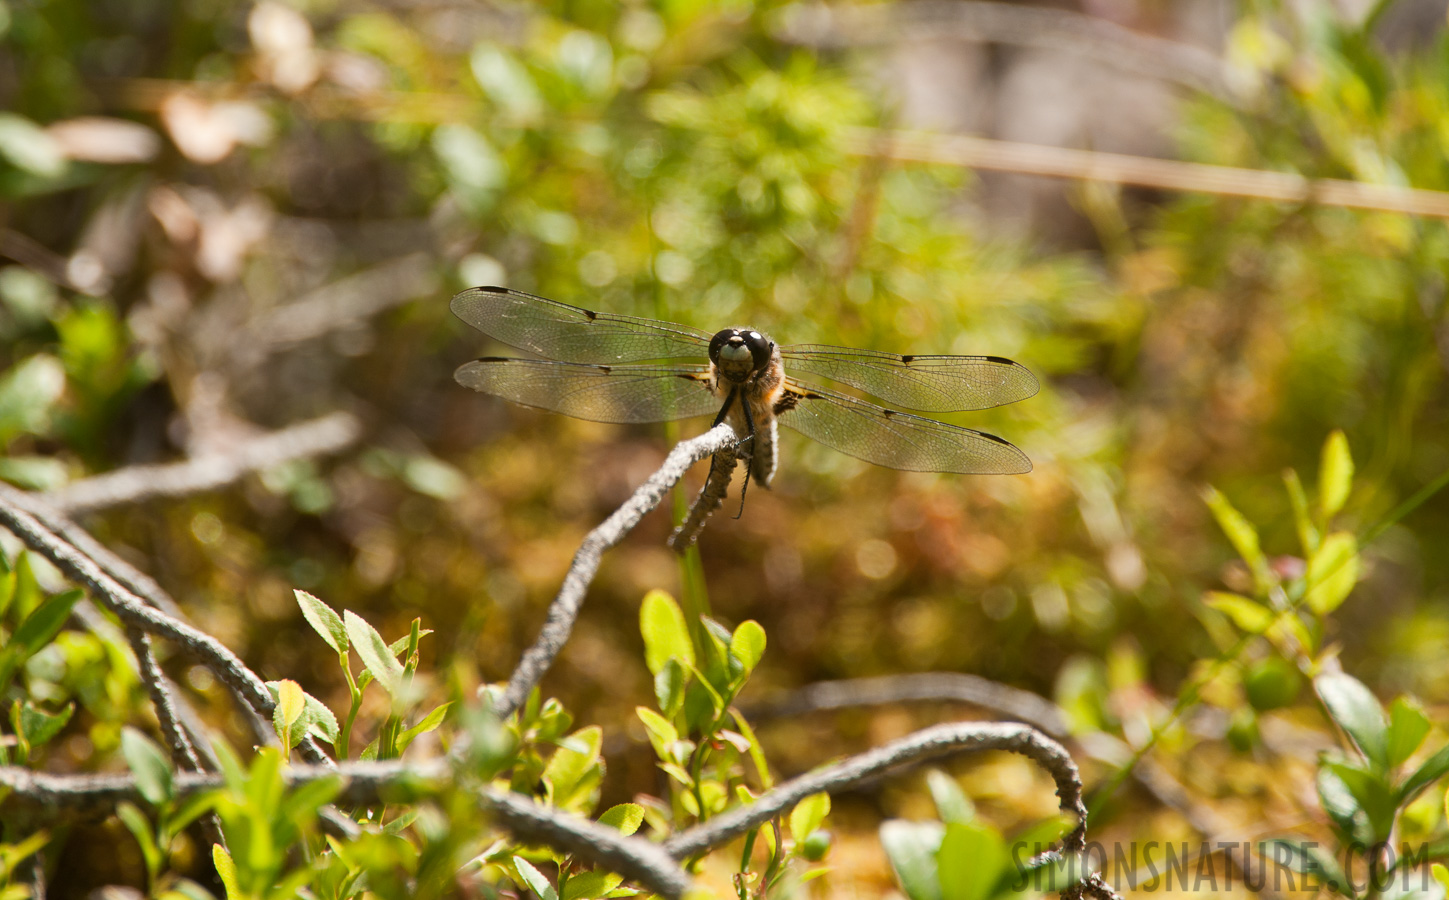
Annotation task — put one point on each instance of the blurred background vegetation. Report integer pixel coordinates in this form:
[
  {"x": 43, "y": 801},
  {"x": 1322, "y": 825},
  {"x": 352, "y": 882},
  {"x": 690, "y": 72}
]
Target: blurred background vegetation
[{"x": 223, "y": 218}]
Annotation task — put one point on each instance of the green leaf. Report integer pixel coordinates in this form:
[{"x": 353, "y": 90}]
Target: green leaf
[
  {"x": 323, "y": 620},
  {"x": 808, "y": 815},
  {"x": 1302, "y": 520},
  {"x": 571, "y": 776},
  {"x": 321, "y": 723},
  {"x": 431, "y": 721},
  {"x": 148, "y": 764},
  {"x": 1429, "y": 771},
  {"x": 1357, "y": 712},
  {"x": 534, "y": 879},
  {"x": 140, "y": 828},
  {"x": 952, "y": 804},
  {"x": 757, "y": 753},
  {"x": 1373, "y": 796},
  {"x": 40, "y": 726},
  {"x": 1332, "y": 572},
  {"x": 1342, "y": 807},
  {"x": 911, "y": 848},
  {"x": 226, "y": 871},
  {"x": 666, "y": 636},
  {"x": 38, "y": 629},
  {"x": 1335, "y": 476},
  {"x": 1408, "y": 726},
  {"x": 971, "y": 861},
  {"x": 28, "y": 146},
  {"x": 1241, "y": 534},
  {"x": 401, "y": 644},
  {"x": 375, "y": 654},
  {"x": 748, "y": 644},
  {"x": 591, "y": 885},
  {"x": 669, "y": 686},
  {"x": 1249, "y": 615},
  {"x": 1306, "y": 859},
  {"x": 627, "y": 817}
]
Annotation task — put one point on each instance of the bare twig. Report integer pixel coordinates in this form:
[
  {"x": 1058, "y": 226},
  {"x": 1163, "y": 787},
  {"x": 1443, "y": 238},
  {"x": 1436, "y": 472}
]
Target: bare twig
[
  {"x": 819, "y": 25},
  {"x": 1167, "y": 174},
  {"x": 565, "y": 607},
  {"x": 134, "y": 612},
  {"x": 925, "y": 745},
  {"x": 721, "y": 469},
  {"x": 318, "y": 437},
  {"x": 952, "y": 687},
  {"x": 39, "y": 797}
]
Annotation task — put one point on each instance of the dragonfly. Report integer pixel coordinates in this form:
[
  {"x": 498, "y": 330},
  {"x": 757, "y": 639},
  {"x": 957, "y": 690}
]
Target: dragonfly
[{"x": 604, "y": 367}]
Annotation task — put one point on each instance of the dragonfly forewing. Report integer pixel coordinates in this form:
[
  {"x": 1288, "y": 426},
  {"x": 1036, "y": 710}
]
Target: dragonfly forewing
[
  {"x": 570, "y": 334},
  {"x": 931, "y": 383},
  {"x": 895, "y": 439},
  {"x": 599, "y": 393}
]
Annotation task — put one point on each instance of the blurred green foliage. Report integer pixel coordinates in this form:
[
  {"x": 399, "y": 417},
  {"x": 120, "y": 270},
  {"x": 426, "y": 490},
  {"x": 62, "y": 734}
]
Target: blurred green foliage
[{"x": 175, "y": 283}]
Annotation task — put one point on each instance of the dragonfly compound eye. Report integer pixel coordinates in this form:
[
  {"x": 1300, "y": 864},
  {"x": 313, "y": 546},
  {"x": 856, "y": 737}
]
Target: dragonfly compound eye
[{"x": 738, "y": 353}]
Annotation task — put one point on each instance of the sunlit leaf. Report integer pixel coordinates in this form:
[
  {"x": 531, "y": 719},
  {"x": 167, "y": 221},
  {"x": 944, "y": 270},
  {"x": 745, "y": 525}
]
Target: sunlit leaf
[
  {"x": 374, "y": 652},
  {"x": 1335, "y": 476},
  {"x": 666, "y": 636},
  {"x": 1357, "y": 712},
  {"x": 323, "y": 620},
  {"x": 808, "y": 815},
  {"x": 148, "y": 764},
  {"x": 1332, "y": 572}
]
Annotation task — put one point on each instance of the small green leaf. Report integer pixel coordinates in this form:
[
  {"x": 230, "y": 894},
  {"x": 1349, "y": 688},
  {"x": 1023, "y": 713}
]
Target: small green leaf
[
  {"x": 1408, "y": 726},
  {"x": 627, "y": 817},
  {"x": 226, "y": 871},
  {"x": 321, "y": 723},
  {"x": 323, "y": 620},
  {"x": 40, "y": 726},
  {"x": 1357, "y": 712},
  {"x": 1249, "y": 615},
  {"x": 952, "y": 804},
  {"x": 1430, "y": 771},
  {"x": 1332, "y": 572},
  {"x": 1302, "y": 520},
  {"x": 534, "y": 879},
  {"x": 669, "y": 686},
  {"x": 375, "y": 653},
  {"x": 1342, "y": 807},
  {"x": 30, "y": 147},
  {"x": 757, "y": 753},
  {"x": 591, "y": 885},
  {"x": 1373, "y": 795},
  {"x": 1335, "y": 476},
  {"x": 1241, "y": 534},
  {"x": 431, "y": 721},
  {"x": 148, "y": 764},
  {"x": 38, "y": 629},
  {"x": 291, "y": 701},
  {"x": 571, "y": 776},
  {"x": 748, "y": 644},
  {"x": 401, "y": 644},
  {"x": 666, "y": 636},
  {"x": 808, "y": 815},
  {"x": 972, "y": 860},
  {"x": 140, "y": 828},
  {"x": 911, "y": 848}
]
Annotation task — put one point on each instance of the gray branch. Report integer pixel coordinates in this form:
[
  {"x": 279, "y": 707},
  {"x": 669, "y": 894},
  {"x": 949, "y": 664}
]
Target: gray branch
[
  {"x": 306, "y": 440},
  {"x": 840, "y": 25},
  {"x": 925, "y": 745},
  {"x": 932, "y": 687},
  {"x": 565, "y": 607},
  {"x": 135, "y": 613},
  {"x": 40, "y": 797}
]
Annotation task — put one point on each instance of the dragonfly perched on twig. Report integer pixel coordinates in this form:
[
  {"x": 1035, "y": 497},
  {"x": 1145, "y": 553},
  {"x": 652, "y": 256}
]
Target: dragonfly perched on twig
[{"x": 612, "y": 368}]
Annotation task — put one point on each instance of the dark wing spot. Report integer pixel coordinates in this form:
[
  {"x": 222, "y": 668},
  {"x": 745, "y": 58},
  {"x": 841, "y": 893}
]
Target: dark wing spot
[
  {"x": 908, "y": 359},
  {"x": 888, "y": 412},
  {"x": 1000, "y": 359},
  {"x": 493, "y": 289},
  {"x": 994, "y": 438},
  {"x": 495, "y": 359},
  {"x": 605, "y": 369},
  {"x": 590, "y": 313}
]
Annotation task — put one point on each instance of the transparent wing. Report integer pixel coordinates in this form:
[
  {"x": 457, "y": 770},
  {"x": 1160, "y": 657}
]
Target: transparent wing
[
  {"x": 897, "y": 440},
  {"x": 597, "y": 393},
  {"x": 934, "y": 383},
  {"x": 568, "y": 333}
]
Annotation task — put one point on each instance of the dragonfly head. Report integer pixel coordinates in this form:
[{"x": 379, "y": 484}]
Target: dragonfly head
[{"x": 740, "y": 353}]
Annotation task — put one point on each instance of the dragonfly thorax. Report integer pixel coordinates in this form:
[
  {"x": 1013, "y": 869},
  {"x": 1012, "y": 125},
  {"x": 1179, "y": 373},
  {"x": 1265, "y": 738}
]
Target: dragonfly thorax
[{"x": 739, "y": 353}]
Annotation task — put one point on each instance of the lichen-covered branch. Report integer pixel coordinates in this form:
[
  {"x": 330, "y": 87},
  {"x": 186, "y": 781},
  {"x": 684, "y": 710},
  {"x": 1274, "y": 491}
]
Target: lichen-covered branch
[
  {"x": 37, "y": 798},
  {"x": 135, "y": 613},
  {"x": 923, "y": 746},
  {"x": 306, "y": 440},
  {"x": 721, "y": 470},
  {"x": 565, "y": 607}
]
